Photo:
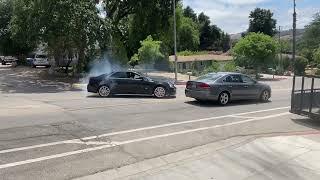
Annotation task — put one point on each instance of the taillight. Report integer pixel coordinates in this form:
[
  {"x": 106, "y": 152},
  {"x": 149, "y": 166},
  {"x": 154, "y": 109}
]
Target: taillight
[{"x": 203, "y": 86}]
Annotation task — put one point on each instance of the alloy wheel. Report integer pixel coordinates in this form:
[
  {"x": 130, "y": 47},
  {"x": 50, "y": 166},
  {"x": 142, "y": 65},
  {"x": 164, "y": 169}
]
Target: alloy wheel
[
  {"x": 104, "y": 91},
  {"x": 265, "y": 96},
  {"x": 224, "y": 98},
  {"x": 160, "y": 92}
]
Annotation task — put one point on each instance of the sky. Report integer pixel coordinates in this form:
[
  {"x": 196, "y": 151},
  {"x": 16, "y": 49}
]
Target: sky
[{"x": 232, "y": 16}]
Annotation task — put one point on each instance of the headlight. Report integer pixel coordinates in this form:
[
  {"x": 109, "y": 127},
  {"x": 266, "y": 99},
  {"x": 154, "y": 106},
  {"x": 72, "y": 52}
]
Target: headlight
[{"x": 171, "y": 85}]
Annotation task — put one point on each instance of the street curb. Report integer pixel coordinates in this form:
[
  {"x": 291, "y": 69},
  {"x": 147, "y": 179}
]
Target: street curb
[{"x": 169, "y": 160}]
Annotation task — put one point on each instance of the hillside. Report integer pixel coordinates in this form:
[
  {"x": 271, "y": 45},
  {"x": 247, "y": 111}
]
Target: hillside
[{"x": 287, "y": 34}]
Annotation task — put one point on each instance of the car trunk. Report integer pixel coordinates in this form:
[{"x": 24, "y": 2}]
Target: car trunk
[{"x": 198, "y": 85}]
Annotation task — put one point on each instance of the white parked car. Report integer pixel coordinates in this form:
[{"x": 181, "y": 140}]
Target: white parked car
[
  {"x": 38, "y": 60},
  {"x": 8, "y": 59}
]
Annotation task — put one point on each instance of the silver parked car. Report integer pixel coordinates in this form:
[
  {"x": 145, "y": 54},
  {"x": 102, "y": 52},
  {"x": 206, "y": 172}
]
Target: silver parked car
[{"x": 225, "y": 87}]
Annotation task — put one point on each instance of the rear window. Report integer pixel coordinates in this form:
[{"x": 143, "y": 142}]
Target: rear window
[{"x": 210, "y": 77}]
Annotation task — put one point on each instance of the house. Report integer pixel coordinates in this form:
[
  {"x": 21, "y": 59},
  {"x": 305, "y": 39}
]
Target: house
[{"x": 199, "y": 62}]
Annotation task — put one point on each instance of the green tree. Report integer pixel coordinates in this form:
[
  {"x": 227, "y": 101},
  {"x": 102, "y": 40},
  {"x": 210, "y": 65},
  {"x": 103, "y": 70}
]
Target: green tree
[
  {"x": 311, "y": 37},
  {"x": 286, "y": 63},
  {"x": 261, "y": 20},
  {"x": 307, "y": 53},
  {"x": 188, "y": 35},
  {"x": 149, "y": 53},
  {"x": 256, "y": 51},
  {"x": 8, "y": 44},
  {"x": 189, "y": 13},
  {"x": 133, "y": 20},
  {"x": 66, "y": 26},
  {"x": 223, "y": 43},
  {"x": 230, "y": 67},
  {"x": 300, "y": 65},
  {"x": 209, "y": 34},
  {"x": 285, "y": 46},
  {"x": 316, "y": 56},
  {"x": 215, "y": 67}
]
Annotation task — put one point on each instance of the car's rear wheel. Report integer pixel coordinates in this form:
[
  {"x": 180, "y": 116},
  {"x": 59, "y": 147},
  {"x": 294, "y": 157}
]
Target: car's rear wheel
[
  {"x": 104, "y": 91},
  {"x": 224, "y": 98},
  {"x": 265, "y": 96},
  {"x": 3, "y": 63},
  {"x": 160, "y": 92}
]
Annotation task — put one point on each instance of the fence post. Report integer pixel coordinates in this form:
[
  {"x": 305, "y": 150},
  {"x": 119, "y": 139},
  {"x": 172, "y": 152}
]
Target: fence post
[
  {"x": 302, "y": 93},
  {"x": 293, "y": 91},
  {"x": 311, "y": 96}
]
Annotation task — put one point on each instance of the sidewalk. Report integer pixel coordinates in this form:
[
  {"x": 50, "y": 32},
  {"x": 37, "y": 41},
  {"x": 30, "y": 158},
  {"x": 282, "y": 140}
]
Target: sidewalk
[{"x": 242, "y": 158}]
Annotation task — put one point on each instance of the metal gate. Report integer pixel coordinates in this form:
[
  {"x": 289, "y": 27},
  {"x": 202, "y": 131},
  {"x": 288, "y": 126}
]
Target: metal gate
[{"x": 305, "y": 98}]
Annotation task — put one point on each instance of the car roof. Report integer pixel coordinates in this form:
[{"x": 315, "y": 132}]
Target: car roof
[
  {"x": 125, "y": 72},
  {"x": 227, "y": 73}
]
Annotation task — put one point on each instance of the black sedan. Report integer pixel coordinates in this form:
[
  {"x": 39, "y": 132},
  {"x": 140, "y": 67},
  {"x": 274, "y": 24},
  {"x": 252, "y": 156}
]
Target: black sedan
[{"x": 129, "y": 83}]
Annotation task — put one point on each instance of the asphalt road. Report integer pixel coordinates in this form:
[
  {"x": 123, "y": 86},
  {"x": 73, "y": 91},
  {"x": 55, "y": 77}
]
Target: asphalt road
[{"x": 66, "y": 134}]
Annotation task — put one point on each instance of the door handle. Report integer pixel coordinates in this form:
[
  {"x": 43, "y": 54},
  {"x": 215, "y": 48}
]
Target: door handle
[
  {"x": 230, "y": 86},
  {"x": 246, "y": 86}
]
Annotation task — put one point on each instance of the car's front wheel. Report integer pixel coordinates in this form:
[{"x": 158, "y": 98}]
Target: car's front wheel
[
  {"x": 224, "y": 98},
  {"x": 160, "y": 92},
  {"x": 104, "y": 91},
  {"x": 265, "y": 96}
]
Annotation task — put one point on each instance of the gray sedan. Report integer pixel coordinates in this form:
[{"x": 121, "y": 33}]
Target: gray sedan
[{"x": 224, "y": 87}]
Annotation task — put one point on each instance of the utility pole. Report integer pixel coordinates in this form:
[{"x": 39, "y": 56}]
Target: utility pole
[
  {"x": 175, "y": 42},
  {"x": 294, "y": 33},
  {"x": 280, "y": 62},
  {"x": 294, "y": 52}
]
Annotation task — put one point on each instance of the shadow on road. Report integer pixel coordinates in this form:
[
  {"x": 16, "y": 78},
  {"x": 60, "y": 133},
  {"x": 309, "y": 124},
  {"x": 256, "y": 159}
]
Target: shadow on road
[
  {"x": 216, "y": 104},
  {"x": 27, "y": 80},
  {"x": 129, "y": 97},
  {"x": 307, "y": 122}
]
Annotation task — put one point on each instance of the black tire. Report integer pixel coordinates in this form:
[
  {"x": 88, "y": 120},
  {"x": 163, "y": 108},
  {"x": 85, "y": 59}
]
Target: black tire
[
  {"x": 104, "y": 91},
  {"x": 160, "y": 92},
  {"x": 224, "y": 98},
  {"x": 4, "y": 63},
  {"x": 34, "y": 66},
  {"x": 265, "y": 96}
]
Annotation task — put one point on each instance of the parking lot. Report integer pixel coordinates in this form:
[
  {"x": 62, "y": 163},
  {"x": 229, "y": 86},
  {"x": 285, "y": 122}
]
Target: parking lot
[{"x": 49, "y": 130}]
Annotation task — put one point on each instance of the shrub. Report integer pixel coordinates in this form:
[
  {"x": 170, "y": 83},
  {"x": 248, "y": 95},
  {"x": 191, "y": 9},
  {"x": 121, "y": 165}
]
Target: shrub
[
  {"x": 191, "y": 53},
  {"x": 230, "y": 67},
  {"x": 215, "y": 67},
  {"x": 300, "y": 65}
]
